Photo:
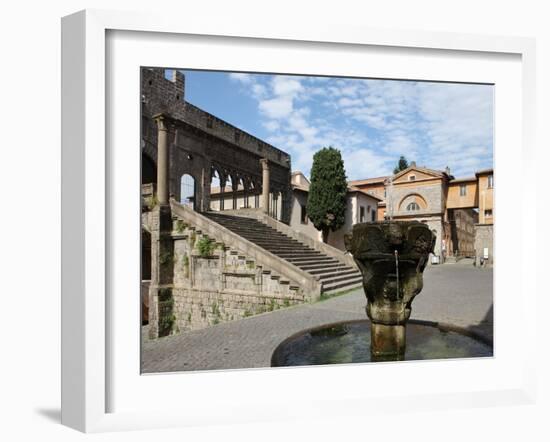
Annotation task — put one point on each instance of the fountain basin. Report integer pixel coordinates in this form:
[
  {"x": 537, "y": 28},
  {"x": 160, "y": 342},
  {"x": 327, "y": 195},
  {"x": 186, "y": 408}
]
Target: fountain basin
[{"x": 350, "y": 342}]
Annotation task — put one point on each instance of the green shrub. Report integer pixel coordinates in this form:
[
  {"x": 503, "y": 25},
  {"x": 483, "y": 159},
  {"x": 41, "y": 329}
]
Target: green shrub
[
  {"x": 165, "y": 258},
  {"x": 205, "y": 247},
  {"x": 180, "y": 226},
  {"x": 152, "y": 202}
]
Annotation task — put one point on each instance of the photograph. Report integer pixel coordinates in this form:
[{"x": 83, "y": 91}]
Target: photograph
[{"x": 305, "y": 220}]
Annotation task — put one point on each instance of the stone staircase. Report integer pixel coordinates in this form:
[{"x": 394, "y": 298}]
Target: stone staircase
[{"x": 333, "y": 274}]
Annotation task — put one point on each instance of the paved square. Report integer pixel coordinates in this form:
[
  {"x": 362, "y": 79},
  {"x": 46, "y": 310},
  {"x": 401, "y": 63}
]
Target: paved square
[{"x": 456, "y": 294}]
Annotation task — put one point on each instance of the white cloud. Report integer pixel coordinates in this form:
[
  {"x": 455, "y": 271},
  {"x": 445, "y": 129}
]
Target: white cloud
[
  {"x": 365, "y": 163},
  {"x": 279, "y": 107},
  {"x": 242, "y": 78},
  {"x": 287, "y": 86},
  {"x": 271, "y": 125},
  {"x": 349, "y": 102},
  {"x": 373, "y": 122},
  {"x": 259, "y": 90}
]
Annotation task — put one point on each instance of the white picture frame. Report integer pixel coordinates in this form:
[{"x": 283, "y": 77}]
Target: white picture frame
[{"x": 87, "y": 211}]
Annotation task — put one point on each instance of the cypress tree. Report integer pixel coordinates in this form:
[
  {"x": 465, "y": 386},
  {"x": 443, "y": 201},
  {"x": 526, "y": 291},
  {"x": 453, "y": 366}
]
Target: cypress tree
[
  {"x": 326, "y": 204},
  {"x": 401, "y": 165}
]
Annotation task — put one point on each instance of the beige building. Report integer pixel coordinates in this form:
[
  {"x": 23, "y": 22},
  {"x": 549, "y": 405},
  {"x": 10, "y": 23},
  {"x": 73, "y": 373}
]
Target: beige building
[
  {"x": 459, "y": 211},
  {"x": 360, "y": 207},
  {"x": 229, "y": 200}
]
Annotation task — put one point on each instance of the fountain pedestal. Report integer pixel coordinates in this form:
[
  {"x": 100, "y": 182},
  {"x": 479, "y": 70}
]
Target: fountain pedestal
[{"x": 391, "y": 256}]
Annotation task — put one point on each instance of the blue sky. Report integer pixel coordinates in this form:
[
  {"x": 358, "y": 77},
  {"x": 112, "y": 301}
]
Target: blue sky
[{"x": 372, "y": 122}]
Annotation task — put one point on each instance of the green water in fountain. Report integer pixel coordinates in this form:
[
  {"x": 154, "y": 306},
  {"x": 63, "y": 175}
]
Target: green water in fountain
[{"x": 350, "y": 342}]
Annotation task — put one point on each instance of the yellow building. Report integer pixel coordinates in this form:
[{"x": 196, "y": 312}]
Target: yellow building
[{"x": 459, "y": 210}]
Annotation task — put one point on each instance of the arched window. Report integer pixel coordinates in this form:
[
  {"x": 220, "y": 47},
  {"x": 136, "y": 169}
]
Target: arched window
[
  {"x": 413, "y": 207},
  {"x": 215, "y": 191},
  {"x": 187, "y": 191}
]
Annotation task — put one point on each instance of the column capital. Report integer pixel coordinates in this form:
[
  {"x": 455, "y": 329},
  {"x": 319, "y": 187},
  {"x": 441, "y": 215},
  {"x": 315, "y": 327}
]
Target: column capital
[
  {"x": 265, "y": 163},
  {"x": 161, "y": 121}
]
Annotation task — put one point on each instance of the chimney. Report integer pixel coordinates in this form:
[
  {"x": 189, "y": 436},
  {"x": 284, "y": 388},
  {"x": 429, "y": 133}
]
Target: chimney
[
  {"x": 447, "y": 170},
  {"x": 413, "y": 164}
]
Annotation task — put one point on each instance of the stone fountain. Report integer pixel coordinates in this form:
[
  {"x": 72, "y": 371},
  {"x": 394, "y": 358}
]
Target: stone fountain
[{"x": 392, "y": 256}]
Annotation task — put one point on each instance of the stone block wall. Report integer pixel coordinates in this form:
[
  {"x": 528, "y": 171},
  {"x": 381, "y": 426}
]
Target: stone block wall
[
  {"x": 432, "y": 194},
  {"x": 224, "y": 285},
  {"x": 484, "y": 239}
]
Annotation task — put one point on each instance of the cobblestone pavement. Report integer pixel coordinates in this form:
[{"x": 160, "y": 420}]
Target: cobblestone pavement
[{"x": 455, "y": 294}]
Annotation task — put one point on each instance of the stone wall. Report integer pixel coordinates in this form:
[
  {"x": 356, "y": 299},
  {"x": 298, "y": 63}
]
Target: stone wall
[
  {"x": 200, "y": 143},
  {"x": 432, "y": 194},
  {"x": 484, "y": 239},
  {"x": 436, "y": 226},
  {"x": 462, "y": 232},
  {"x": 222, "y": 285},
  {"x": 299, "y": 200}
]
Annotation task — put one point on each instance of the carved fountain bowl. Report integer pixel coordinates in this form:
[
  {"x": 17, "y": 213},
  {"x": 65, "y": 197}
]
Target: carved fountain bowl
[
  {"x": 391, "y": 256},
  {"x": 349, "y": 342}
]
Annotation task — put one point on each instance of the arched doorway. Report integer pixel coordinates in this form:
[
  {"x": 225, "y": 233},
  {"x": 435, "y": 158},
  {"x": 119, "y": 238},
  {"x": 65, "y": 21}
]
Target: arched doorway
[
  {"x": 188, "y": 191},
  {"x": 148, "y": 170},
  {"x": 145, "y": 274}
]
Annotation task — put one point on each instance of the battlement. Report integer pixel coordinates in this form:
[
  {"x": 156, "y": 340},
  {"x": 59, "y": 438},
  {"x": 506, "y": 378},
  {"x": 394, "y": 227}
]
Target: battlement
[{"x": 167, "y": 95}]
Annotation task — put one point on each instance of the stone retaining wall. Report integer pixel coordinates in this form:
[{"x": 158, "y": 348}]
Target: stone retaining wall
[{"x": 222, "y": 285}]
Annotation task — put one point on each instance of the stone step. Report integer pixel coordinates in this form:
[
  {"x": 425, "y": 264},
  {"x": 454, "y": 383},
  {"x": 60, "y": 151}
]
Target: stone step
[
  {"x": 332, "y": 289},
  {"x": 315, "y": 260},
  {"x": 335, "y": 275},
  {"x": 321, "y": 267},
  {"x": 291, "y": 255},
  {"x": 280, "y": 244},
  {"x": 285, "y": 248},
  {"x": 263, "y": 236},
  {"x": 330, "y": 269},
  {"x": 267, "y": 239},
  {"x": 338, "y": 279}
]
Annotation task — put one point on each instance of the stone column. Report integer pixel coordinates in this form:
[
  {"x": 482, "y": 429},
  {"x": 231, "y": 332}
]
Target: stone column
[
  {"x": 265, "y": 185},
  {"x": 162, "y": 160},
  {"x": 222, "y": 196},
  {"x": 162, "y": 247}
]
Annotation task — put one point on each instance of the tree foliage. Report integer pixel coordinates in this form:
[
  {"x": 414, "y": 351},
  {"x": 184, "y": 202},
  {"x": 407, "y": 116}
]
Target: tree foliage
[
  {"x": 326, "y": 204},
  {"x": 402, "y": 164}
]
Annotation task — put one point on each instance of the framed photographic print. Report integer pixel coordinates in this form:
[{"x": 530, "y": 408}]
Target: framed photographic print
[{"x": 248, "y": 213}]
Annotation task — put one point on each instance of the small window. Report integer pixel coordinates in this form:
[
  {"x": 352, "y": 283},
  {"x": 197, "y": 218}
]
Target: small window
[
  {"x": 412, "y": 177},
  {"x": 384, "y": 192},
  {"x": 362, "y": 214},
  {"x": 463, "y": 190},
  {"x": 412, "y": 207},
  {"x": 303, "y": 214},
  {"x": 373, "y": 216},
  {"x": 490, "y": 182},
  {"x": 368, "y": 209},
  {"x": 488, "y": 213}
]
